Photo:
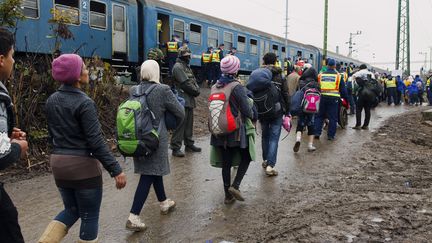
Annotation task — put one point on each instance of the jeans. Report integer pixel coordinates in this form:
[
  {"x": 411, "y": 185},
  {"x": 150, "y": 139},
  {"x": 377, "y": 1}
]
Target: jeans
[
  {"x": 329, "y": 108},
  {"x": 10, "y": 230},
  {"x": 84, "y": 204},
  {"x": 306, "y": 120},
  {"x": 362, "y": 104},
  {"x": 227, "y": 155},
  {"x": 271, "y": 131},
  {"x": 143, "y": 190},
  {"x": 352, "y": 103},
  {"x": 414, "y": 99}
]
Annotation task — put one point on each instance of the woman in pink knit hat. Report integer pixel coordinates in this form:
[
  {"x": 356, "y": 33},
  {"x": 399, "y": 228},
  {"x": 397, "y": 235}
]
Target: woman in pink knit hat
[
  {"x": 236, "y": 143},
  {"x": 78, "y": 150}
]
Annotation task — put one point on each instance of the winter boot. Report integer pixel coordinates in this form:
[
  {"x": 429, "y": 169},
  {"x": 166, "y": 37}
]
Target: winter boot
[
  {"x": 54, "y": 232},
  {"x": 134, "y": 223},
  {"x": 166, "y": 206}
]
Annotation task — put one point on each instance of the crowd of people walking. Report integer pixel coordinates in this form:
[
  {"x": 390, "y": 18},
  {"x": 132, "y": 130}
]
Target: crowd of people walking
[{"x": 272, "y": 96}]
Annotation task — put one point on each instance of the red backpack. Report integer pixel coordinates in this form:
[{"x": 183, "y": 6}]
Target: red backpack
[{"x": 221, "y": 120}]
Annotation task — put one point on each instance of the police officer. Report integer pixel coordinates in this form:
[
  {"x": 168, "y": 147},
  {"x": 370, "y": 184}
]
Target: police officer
[
  {"x": 278, "y": 63},
  {"x": 332, "y": 89},
  {"x": 207, "y": 72},
  {"x": 217, "y": 56},
  {"x": 400, "y": 90},
  {"x": 172, "y": 51},
  {"x": 233, "y": 51},
  {"x": 390, "y": 84},
  {"x": 188, "y": 89}
]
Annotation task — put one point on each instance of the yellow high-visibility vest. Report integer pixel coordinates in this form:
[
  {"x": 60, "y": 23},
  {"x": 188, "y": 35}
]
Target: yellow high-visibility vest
[
  {"x": 329, "y": 84},
  {"x": 206, "y": 57},
  {"x": 172, "y": 46},
  {"x": 278, "y": 64},
  {"x": 428, "y": 82},
  {"x": 391, "y": 83},
  {"x": 215, "y": 56}
]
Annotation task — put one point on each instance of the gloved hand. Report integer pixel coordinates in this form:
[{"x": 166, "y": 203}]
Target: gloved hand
[{"x": 286, "y": 123}]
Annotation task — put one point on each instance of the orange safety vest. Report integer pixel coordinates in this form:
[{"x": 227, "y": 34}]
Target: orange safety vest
[
  {"x": 215, "y": 56},
  {"x": 206, "y": 57},
  {"x": 329, "y": 84},
  {"x": 172, "y": 46}
]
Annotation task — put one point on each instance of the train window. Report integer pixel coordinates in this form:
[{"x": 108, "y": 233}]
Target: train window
[
  {"x": 119, "y": 18},
  {"x": 299, "y": 54},
  {"x": 284, "y": 50},
  {"x": 30, "y": 8},
  {"x": 253, "y": 47},
  {"x": 275, "y": 49},
  {"x": 98, "y": 15},
  {"x": 179, "y": 29},
  {"x": 195, "y": 34},
  {"x": 228, "y": 40},
  {"x": 241, "y": 44},
  {"x": 212, "y": 38},
  {"x": 70, "y": 8}
]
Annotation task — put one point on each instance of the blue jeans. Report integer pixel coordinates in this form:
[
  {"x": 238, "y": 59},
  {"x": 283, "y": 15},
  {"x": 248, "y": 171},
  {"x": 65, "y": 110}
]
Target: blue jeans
[
  {"x": 271, "y": 130},
  {"x": 391, "y": 94},
  {"x": 329, "y": 108},
  {"x": 84, "y": 204}
]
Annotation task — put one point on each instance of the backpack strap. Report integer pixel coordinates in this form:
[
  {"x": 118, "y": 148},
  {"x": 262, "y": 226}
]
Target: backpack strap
[{"x": 140, "y": 92}]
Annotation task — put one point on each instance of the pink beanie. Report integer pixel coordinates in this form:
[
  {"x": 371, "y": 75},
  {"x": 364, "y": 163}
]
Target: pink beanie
[
  {"x": 230, "y": 64},
  {"x": 67, "y": 68}
]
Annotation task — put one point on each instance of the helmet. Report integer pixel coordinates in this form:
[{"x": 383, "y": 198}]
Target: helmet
[
  {"x": 155, "y": 54},
  {"x": 184, "y": 51}
]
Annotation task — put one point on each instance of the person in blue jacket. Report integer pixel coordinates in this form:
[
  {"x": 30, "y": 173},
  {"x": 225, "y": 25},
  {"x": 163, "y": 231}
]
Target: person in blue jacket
[
  {"x": 420, "y": 87},
  {"x": 413, "y": 93},
  {"x": 400, "y": 90}
]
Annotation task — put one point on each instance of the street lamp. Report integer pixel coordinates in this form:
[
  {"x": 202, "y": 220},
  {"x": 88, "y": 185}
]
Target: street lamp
[{"x": 350, "y": 42}]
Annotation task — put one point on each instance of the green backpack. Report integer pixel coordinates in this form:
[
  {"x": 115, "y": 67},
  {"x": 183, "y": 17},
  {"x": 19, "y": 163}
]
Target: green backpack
[{"x": 137, "y": 136}]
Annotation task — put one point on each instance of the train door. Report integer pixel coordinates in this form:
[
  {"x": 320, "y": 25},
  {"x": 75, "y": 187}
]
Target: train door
[
  {"x": 261, "y": 52},
  {"x": 119, "y": 29},
  {"x": 163, "y": 35}
]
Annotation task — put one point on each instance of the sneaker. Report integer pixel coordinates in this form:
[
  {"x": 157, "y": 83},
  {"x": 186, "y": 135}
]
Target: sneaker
[
  {"x": 264, "y": 164},
  {"x": 365, "y": 127},
  {"x": 270, "y": 171},
  {"x": 193, "y": 148},
  {"x": 357, "y": 128},
  {"x": 236, "y": 193},
  {"x": 134, "y": 223},
  {"x": 166, "y": 206},
  {"x": 311, "y": 148},
  {"x": 296, "y": 146},
  {"x": 178, "y": 153}
]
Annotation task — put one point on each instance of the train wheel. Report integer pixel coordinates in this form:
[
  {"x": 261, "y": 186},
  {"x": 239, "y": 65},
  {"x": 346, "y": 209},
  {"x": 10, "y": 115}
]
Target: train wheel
[{"x": 343, "y": 117}]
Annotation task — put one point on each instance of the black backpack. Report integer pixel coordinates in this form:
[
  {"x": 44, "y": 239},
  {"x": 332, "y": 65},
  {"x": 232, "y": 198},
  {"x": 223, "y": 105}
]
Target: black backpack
[
  {"x": 268, "y": 102},
  {"x": 370, "y": 89}
]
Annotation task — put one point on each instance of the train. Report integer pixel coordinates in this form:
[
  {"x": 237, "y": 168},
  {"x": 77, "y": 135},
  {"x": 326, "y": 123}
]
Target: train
[{"x": 123, "y": 31}]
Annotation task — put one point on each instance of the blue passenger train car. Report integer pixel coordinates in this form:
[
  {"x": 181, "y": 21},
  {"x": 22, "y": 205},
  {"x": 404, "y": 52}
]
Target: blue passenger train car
[{"x": 123, "y": 31}]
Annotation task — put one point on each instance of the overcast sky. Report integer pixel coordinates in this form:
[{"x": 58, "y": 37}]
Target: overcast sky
[{"x": 377, "y": 19}]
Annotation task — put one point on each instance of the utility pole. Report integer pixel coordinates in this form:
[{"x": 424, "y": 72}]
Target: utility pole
[
  {"x": 286, "y": 30},
  {"x": 351, "y": 43},
  {"x": 403, "y": 61},
  {"x": 430, "y": 58},
  {"x": 325, "y": 32}
]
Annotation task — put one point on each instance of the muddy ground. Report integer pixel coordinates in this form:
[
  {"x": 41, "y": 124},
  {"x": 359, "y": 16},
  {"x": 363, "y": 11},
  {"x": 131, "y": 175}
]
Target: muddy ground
[{"x": 367, "y": 186}]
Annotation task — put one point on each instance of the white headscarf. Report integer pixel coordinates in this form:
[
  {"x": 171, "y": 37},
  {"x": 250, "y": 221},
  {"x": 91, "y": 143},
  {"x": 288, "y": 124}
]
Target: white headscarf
[{"x": 150, "y": 71}]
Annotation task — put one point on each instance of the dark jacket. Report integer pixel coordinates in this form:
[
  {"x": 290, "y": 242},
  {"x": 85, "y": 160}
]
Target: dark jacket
[
  {"x": 240, "y": 105},
  {"x": 309, "y": 79},
  {"x": 185, "y": 82},
  {"x": 9, "y": 152},
  {"x": 74, "y": 127},
  {"x": 283, "y": 84}
]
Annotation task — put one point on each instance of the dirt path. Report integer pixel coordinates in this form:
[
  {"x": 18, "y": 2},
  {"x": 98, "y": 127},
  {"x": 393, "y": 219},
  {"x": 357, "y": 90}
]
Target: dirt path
[{"x": 365, "y": 186}]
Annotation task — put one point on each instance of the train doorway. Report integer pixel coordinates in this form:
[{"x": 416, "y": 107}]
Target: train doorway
[
  {"x": 163, "y": 29},
  {"x": 119, "y": 30}
]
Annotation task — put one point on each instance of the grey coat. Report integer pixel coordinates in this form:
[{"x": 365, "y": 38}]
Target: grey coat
[{"x": 161, "y": 99}]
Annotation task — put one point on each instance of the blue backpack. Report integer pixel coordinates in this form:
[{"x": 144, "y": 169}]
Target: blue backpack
[{"x": 297, "y": 103}]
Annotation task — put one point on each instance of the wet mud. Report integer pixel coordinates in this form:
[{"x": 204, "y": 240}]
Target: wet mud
[{"x": 366, "y": 186}]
